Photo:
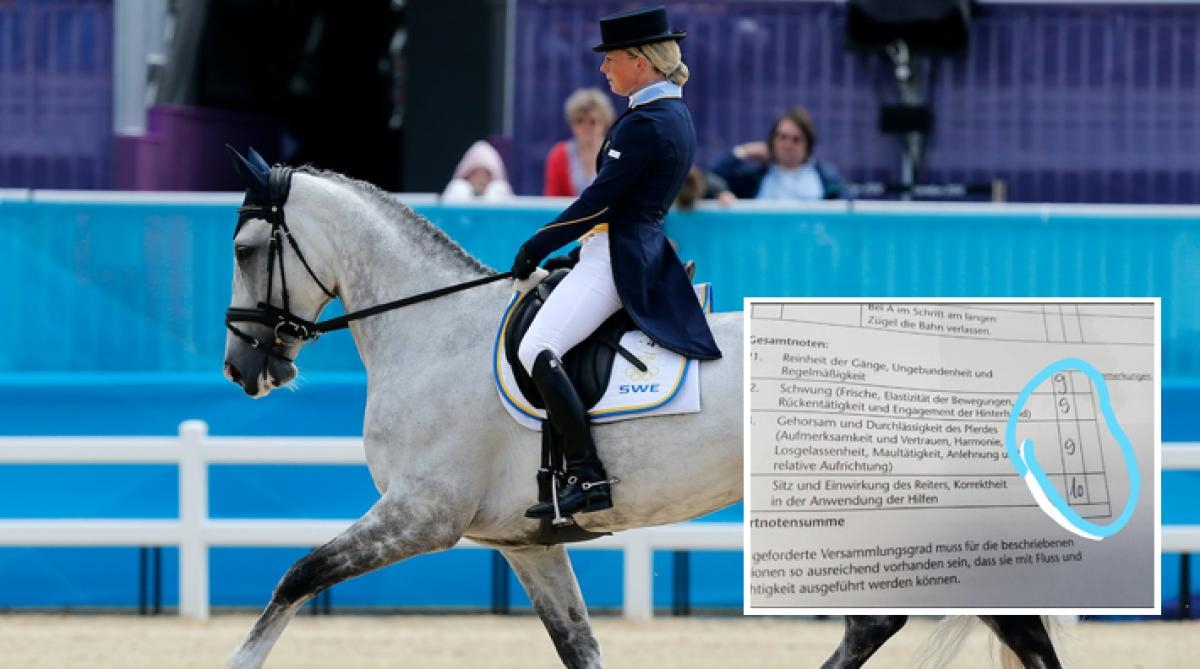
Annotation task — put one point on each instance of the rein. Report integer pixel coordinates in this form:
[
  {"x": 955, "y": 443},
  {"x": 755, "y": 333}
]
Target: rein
[{"x": 281, "y": 320}]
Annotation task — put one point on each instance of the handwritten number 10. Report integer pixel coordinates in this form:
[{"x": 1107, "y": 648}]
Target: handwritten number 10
[{"x": 1077, "y": 491}]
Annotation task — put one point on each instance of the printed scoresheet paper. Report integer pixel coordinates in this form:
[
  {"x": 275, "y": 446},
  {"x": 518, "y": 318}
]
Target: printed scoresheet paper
[{"x": 966, "y": 456}]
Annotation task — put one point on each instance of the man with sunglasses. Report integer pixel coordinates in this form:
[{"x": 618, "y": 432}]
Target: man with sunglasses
[{"x": 783, "y": 167}]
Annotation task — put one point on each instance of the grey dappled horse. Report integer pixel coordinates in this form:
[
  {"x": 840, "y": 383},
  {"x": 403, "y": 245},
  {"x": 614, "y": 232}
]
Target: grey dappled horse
[{"x": 448, "y": 461}]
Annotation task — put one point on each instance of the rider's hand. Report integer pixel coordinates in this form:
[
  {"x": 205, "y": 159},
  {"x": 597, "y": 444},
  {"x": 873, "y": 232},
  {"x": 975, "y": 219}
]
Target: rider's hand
[{"x": 523, "y": 265}]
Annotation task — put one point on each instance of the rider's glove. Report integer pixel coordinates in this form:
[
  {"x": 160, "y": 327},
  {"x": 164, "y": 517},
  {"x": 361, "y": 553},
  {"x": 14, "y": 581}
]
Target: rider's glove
[{"x": 524, "y": 264}]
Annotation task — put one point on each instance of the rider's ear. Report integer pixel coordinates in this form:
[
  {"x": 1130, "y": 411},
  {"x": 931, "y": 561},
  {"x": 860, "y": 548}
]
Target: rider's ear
[{"x": 254, "y": 175}]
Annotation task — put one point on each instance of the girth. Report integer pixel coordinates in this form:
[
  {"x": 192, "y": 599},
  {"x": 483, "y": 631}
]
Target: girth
[{"x": 589, "y": 364}]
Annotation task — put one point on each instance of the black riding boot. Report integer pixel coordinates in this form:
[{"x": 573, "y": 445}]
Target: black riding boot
[{"x": 587, "y": 487}]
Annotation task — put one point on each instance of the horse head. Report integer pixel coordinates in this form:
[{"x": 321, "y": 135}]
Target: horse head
[{"x": 278, "y": 291}]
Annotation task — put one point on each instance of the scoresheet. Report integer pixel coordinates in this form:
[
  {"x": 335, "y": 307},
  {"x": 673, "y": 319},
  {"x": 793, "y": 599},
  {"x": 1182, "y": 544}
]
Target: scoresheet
[{"x": 976, "y": 456}]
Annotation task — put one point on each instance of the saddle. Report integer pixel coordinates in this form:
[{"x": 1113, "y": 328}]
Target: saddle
[{"x": 589, "y": 364}]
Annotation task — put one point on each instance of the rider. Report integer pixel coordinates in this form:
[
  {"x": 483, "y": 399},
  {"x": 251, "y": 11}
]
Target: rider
[{"x": 625, "y": 259}]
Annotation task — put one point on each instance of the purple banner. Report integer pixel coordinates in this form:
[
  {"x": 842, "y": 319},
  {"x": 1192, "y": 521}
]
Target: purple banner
[
  {"x": 1067, "y": 103},
  {"x": 56, "y": 94}
]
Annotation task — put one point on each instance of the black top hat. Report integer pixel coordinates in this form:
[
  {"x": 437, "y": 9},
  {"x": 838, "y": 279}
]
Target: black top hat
[{"x": 634, "y": 28}]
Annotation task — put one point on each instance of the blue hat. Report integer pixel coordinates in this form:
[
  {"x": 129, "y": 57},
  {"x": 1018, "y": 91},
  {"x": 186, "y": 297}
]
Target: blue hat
[{"x": 634, "y": 28}]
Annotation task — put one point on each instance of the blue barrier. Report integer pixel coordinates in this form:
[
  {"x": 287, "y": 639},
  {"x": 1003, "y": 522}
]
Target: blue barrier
[{"x": 140, "y": 284}]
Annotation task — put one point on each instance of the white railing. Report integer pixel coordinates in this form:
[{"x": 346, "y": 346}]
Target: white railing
[
  {"x": 194, "y": 532},
  {"x": 1181, "y": 538}
]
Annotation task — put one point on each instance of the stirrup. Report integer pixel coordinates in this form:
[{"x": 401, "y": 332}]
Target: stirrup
[
  {"x": 551, "y": 509},
  {"x": 558, "y": 520}
]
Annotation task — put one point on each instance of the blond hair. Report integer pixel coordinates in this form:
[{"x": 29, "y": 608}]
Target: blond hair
[
  {"x": 585, "y": 100},
  {"x": 665, "y": 57}
]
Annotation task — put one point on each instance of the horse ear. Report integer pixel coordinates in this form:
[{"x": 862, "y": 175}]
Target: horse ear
[
  {"x": 258, "y": 161},
  {"x": 254, "y": 176}
]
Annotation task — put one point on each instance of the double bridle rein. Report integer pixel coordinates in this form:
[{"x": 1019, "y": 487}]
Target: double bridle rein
[{"x": 281, "y": 320}]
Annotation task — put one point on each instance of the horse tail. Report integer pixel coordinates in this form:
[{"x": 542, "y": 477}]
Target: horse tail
[
  {"x": 948, "y": 637},
  {"x": 1056, "y": 629},
  {"x": 945, "y": 642}
]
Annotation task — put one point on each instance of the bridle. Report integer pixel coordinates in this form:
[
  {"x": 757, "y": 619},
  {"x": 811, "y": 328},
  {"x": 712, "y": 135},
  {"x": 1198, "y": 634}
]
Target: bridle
[{"x": 281, "y": 320}]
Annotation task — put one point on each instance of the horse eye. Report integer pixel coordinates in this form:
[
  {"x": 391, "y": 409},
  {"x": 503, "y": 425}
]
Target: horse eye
[{"x": 243, "y": 252}]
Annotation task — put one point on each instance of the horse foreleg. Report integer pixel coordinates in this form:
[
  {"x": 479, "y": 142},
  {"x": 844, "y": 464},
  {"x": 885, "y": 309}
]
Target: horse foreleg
[
  {"x": 1027, "y": 637},
  {"x": 550, "y": 582},
  {"x": 388, "y": 533},
  {"x": 863, "y": 636}
]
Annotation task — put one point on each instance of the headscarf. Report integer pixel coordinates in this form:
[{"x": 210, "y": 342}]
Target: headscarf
[{"x": 481, "y": 154}]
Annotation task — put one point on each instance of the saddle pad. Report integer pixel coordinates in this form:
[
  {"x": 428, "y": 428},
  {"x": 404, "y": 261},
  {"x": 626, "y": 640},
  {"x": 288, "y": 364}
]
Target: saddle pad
[{"x": 671, "y": 385}]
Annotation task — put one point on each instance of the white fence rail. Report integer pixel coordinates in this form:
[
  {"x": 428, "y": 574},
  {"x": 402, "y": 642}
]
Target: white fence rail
[
  {"x": 194, "y": 532},
  {"x": 1181, "y": 538}
]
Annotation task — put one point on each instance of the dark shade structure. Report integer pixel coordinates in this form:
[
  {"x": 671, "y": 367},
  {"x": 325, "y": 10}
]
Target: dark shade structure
[{"x": 942, "y": 26}]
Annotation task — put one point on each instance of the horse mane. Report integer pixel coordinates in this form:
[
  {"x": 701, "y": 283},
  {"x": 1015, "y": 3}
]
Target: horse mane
[{"x": 427, "y": 233}]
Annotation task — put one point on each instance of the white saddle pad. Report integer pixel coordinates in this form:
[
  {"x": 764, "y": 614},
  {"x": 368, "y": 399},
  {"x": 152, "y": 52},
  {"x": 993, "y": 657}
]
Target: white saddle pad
[{"x": 670, "y": 385}]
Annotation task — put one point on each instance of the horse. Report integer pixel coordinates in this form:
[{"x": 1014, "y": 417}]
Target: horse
[{"x": 447, "y": 460}]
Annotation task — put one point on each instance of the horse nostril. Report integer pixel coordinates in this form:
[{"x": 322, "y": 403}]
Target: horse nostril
[{"x": 233, "y": 373}]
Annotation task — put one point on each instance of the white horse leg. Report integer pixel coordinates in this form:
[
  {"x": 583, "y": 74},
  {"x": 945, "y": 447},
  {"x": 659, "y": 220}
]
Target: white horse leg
[
  {"x": 391, "y": 531},
  {"x": 550, "y": 582}
]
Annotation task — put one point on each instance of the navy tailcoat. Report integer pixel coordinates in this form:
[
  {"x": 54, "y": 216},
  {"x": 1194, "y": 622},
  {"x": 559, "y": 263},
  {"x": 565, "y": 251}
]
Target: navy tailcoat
[{"x": 644, "y": 160}]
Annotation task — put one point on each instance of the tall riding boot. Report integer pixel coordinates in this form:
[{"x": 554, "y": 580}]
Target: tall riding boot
[{"x": 587, "y": 487}]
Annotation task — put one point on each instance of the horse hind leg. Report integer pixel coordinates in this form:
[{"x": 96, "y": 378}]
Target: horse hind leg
[
  {"x": 862, "y": 636},
  {"x": 550, "y": 582},
  {"x": 388, "y": 533},
  {"x": 1027, "y": 637}
]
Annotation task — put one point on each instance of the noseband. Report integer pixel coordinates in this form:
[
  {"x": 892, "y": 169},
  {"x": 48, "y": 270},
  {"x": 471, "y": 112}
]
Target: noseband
[{"x": 281, "y": 320}]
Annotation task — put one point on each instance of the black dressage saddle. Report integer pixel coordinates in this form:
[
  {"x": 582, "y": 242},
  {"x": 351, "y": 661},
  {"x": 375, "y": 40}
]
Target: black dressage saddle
[{"x": 589, "y": 364}]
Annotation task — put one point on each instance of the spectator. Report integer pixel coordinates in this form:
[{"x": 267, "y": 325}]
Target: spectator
[
  {"x": 783, "y": 167},
  {"x": 480, "y": 175},
  {"x": 571, "y": 163}
]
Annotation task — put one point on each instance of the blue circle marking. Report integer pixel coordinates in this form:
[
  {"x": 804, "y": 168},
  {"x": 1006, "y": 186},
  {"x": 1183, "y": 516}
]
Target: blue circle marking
[{"x": 1026, "y": 464}]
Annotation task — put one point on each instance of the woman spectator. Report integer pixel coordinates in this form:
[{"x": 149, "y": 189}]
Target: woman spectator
[{"x": 571, "y": 163}]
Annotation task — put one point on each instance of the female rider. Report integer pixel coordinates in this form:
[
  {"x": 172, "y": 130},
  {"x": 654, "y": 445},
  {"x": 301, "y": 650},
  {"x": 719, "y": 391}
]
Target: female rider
[{"x": 625, "y": 259}]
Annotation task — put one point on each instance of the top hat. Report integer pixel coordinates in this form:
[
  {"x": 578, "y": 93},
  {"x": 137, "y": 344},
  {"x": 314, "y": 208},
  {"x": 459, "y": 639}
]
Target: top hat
[{"x": 635, "y": 28}]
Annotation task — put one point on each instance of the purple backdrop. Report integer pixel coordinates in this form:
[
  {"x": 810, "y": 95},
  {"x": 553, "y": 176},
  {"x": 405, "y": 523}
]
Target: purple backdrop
[
  {"x": 1065, "y": 102},
  {"x": 56, "y": 93}
]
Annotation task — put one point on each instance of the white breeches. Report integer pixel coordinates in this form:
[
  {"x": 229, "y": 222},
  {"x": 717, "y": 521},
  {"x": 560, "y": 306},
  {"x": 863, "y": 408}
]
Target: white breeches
[{"x": 580, "y": 303}]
